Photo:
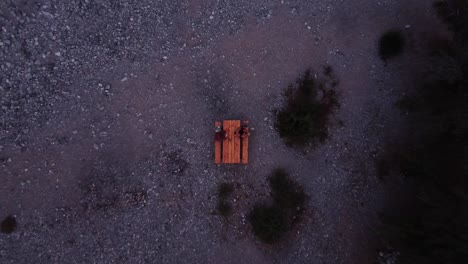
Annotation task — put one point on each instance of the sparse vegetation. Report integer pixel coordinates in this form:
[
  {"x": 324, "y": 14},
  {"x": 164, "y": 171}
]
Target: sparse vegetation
[
  {"x": 310, "y": 102},
  {"x": 8, "y": 225},
  {"x": 224, "y": 190},
  {"x": 391, "y": 44},
  {"x": 286, "y": 193},
  {"x": 223, "y": 207},
  {"x": 270, "y": 222}
]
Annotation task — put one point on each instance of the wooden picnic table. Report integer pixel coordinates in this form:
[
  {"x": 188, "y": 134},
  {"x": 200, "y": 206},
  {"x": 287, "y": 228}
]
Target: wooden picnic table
[{"x": 232, "y": 142}]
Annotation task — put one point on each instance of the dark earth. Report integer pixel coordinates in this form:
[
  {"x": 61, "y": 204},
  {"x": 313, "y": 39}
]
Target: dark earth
[{"x": 358, "y": 146}]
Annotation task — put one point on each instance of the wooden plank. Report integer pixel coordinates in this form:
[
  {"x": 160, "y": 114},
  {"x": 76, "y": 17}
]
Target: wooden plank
[
  {"x": 217, "y": 146},
  {"x": 232, "y": 130},
  {"x": 245, "y": 150},
  {"x": 232, "y": 136},
  {"x": 236, "y": 142},
  {"x": 226, "y": 147}
]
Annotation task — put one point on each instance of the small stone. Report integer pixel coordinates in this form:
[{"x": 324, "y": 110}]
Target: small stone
[{"x": 265, "y": 119}]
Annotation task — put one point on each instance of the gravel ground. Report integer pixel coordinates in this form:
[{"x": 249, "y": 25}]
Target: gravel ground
[{"x": 107, "y": 111}]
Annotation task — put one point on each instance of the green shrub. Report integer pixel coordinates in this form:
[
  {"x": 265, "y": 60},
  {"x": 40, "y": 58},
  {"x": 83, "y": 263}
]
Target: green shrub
[
  {"x": 391, "y": 44},
  {"x": 223, "y": 207},
  {"x": 309, "y": 104},
  {"x": 268, "y": 223},
  {"x": 224, "y": 190},
  {"x": 271, "y": 222},
  {"x": 8, "y": 225},
  {"x": 286, "y": 193}
]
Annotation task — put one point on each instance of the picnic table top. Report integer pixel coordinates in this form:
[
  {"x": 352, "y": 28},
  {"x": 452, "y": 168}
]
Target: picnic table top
[{"x": 231, "y": 142}]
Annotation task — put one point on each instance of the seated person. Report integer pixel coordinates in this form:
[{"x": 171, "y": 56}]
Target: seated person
[
  {"x": 221, "y": 135},
  {"x": 243, "y": 132}
]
